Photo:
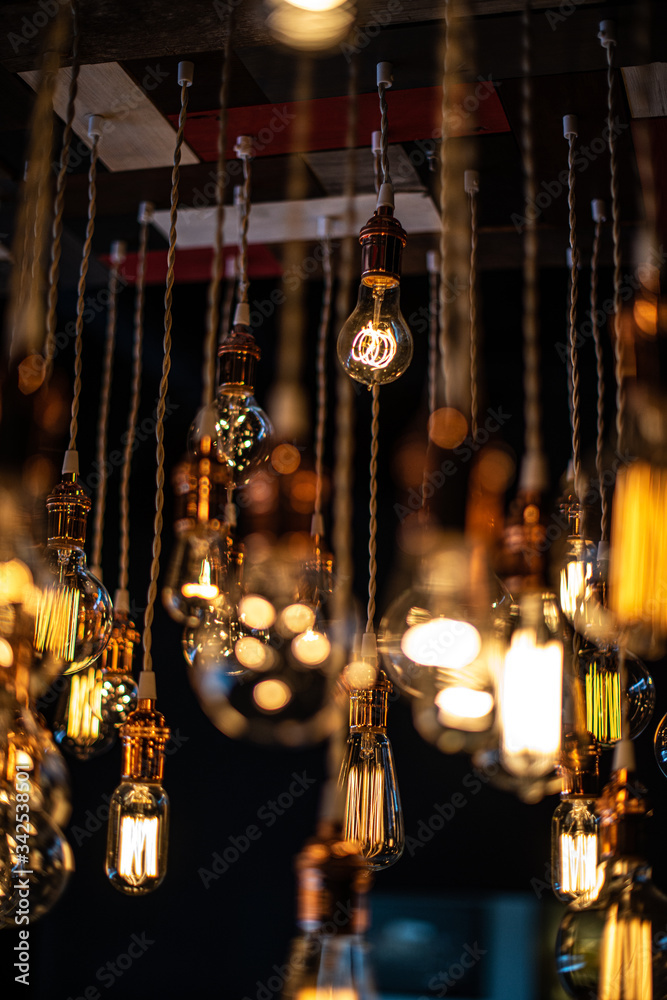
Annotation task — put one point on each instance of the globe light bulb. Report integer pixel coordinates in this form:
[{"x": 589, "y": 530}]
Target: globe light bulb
[
  {"x": 530, "y": 690},
  {"x": 119, "y": 688},
  {"x": 375, "y": 344},
  {"x": 195, "y": 575},
  {"x": 373, "y": 816},
  {"x": 574, "y": 826},
  {"x": 611, "y": 943},
  {"x": 137, "y": 837},
  {"x": 233, "y": 431},
  {"x": 601, "y": 675},
  {"x": 78, "y": 726},
  {"x": 74, "y": 615},
  {"x": 329, "y": 956}
]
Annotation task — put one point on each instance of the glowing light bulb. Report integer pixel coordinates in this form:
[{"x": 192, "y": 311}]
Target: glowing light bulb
[
  {"x": 577, "y": 576},
  {"x": 375, "y": 343},
  {"x": 574, "y": 826},
  {"x": 137, "y": 838},
  {"x": 600, "y": 671},
  {"x": 373, "y": 816},
  {"x": 464, "y": 707},
  {"x": 310, "y": 25},
  {"x": 311, "y": 647},
  {"x": 530, "y": 695},
  {"x": 78, "y": 724},
  {"x": 74, "y": 615},
  {"x": 119, "y": 688},
  {"x": 442, "y": 642},
  {"x": 196, "y": 573},
  {"x": 256, "y": 612}
]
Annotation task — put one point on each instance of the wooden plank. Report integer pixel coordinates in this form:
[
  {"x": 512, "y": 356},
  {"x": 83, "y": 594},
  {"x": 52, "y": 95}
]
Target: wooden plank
[
  {"x": 646, "y": 87},
  {"x": 135, "y": 135}
]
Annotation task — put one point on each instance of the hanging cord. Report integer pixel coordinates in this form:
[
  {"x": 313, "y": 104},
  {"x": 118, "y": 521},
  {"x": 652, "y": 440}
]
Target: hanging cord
[
  {"x": 376, "y": 149},
  {"x": 185, "y": 71},
  {"x": 59, "y": 203},
  {"x": 321, "y": 368},
  {"x": 118, "y": 253},
  {"x": 570, "y": 132},
  {"x": 533, "y": 467},
  {"x": 384, "y": 81},
  {"x": 599, "y": 216},
  {"x": 373, "y": 509},
  {"x": 243, "y": 149},
  {"x": 445, "y": 353},
  {"x": 94, "y": 131},
  {"x": 433, "y": 267},
  {"x": 145, "y": 216},
  {"x": 217, "y": 267},
  {"x": 471, "y": 184},
  {"x": 608, "y": 41}
]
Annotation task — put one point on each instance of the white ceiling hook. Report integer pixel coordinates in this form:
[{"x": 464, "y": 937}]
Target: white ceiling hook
[
  {"x": 471, "y": 181},
  {"x": 118, "y": 251},
  {"x": 570, "y": 126},
  {"x": 244, "y": 147},
  {"x": 95, "y": 126},
  {"x": 607, "y": 33},
  {"x": 186, "y": 72},
  {"x": 385, "y": 74}
]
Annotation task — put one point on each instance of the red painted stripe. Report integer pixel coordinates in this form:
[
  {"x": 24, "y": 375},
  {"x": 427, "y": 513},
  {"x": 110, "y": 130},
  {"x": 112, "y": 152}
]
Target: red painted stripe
[
  {"x": 193, "y": 264},
  {"x": 413, "y": 114}
]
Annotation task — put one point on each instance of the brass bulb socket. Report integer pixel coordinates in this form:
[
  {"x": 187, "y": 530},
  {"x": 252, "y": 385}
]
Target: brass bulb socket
[
  {"x": 382, "y": 241},
  {"x": 144, "y": 737},
  {"x": 200, "y": 493},
  {"x": 369, "y": 706},
  {"x": 623, "y": 809},
  {"x": 68, "y": 507},
  {"x": 333, "y": 884},
  {"x": 119, "y": 651},
  {"x": 238, "y": 355}
]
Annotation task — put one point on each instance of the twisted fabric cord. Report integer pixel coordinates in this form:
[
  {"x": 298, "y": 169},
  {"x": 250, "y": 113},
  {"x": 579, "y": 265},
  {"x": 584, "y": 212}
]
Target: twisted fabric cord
[
  {"x": 59, "y": 203},
  {"x": 432, "y": 379},
  {"x": 321, "y": 366},
  {"x": 135, "y": 394},
  {"x": 103, "y": 418},
  {"x": 574, "y": 293},
  {"x": 531, "y": 348},
  {"x": 474, "y": 388},
  {"x": 445, "y": 353},
  {"x": 80, "y": 305},
  {"x": 599, "y": 361},
  {"x": 164, "y": 384},
  {"x": 245, "y": 219},
  {"x": 384, "y": 133},
  {"x": 217, "y": 267},
  {"x": 373, "y": 508},
  {"x": 616, "y": 239}
]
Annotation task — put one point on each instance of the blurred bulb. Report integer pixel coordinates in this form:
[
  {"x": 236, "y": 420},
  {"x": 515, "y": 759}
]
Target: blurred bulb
[
  {"x": 375, "y": 343},
  {"x": 234, "y": 432},
  {"x": 41, "y": 863},
  {"x": 530, "y": 696},
  {"x": 464, "y": 708},
  {"x": 311, "y": 647},
  {"x": 272, "y": 695},
  {"x": 577, "y": 575},
  {"x": 442, "y": 642},
  {"x": 196, "y": 573},
  {"x": 78, "y": 725},
  {"x": 574, "y": 848},
  {"x": 600, "y": 671},
  {"x": 256, "y": 612},
  {"x": 310, "y": 25},
  {"x": 119, "y": 688}
]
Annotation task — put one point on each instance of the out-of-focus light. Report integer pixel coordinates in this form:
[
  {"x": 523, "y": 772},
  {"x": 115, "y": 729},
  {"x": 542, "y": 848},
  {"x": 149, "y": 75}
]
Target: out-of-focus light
[
  {"x": 495, "y": 469},
  {"x": 302, "y": 492},
  {"x": 312, "y": 25},
  {"x": 447, "y": 427},
  {"x": 256, "y": 612},
  {"x": 464, "y": 708},
  {"x": 311, "y": 647},
  {"x": 6, "y": 654},
  {"x": 320, "y": 5},
  {"x": 646, "y": 316},
  {"x": 285, "y": 459},
  {"x": 359, "y": 675},
  {"x": 272, "y": 695},
  {"x": 298, "y": 617},
  {"x": 251, "y": 653},
  {"x": 31, "y": 373},
  {"x": 442, "y": 642}
]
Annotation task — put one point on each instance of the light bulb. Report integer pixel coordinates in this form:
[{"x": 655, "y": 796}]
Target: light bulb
[
  {"x": 600, "y": 672},
  {"x": 196, "y": 574},
  {"x": 119, "y": 688},
  {"x": 233, "y": 431},
  {"x": 78, "y": 725},
  {"x": 373, "y": 816},
  {"x": 41, "y": 864},
  {"x": 574, "y": 826},
  {"x": 137, "y": 837},
  {"x": 612, "y": 943},
  {"x": 530, "y": 690},
  {"x": 74, "y": 616},
  {"x": 328, "y": 960},
  {"x": 375, "y": 343},
  {"x": 577, "y": 575}
]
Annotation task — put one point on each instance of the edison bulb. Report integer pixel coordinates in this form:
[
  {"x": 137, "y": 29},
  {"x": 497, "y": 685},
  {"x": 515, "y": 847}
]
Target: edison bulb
[
  {"x": 137, "y": 837},
  {"x": 233, "y": 431},
  {"x": 600, "y": 672},
  {"x": 577, "y": 575},
  {"x": 79, "y": 726},
  {"x": 119, "y": 688},
  {"x": 375, "y": 344},
  {"x": 212, "y": 644},
  {"x": 574, "y": 847},
  {"x": 196, "y": 574},
  {"x": 41, "y": 863}
]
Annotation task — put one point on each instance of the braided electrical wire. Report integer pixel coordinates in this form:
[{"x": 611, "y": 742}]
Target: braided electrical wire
[
  {"x": 445, "y": 353},
  {"x": 321, "y": 369},
  {"x": 217, "y": 266},
  {"x": 432, "y": 373},
  {"x": 373, "y": 508},
  {"x": 384, "y": 133},
  {"x": 80, "y": 305},
  {"x": 164, "y": 383},
  {"x": 574, "y": 293},
  {"x": 244, "y": 283},
  {"x": 103, "y": 416},
  {"x": 135, "y": 395},
  {"x": 474, "y": 338},
  {"x": 59, "y": 202},
  {"x": 616, "y": 241},
  {"x": 599, "y": 362}
]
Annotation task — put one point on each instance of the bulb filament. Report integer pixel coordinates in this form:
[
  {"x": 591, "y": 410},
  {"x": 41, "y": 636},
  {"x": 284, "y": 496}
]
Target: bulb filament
[
  {"x": 625, "y": 958},
  {"x": 56, "y": 621},
  {"x": 603, "y": 704},
  {"x": 138, "y": 849},
  {"x": 364, "y": 808},
  {"x": 578, "y": 862},
  {"x": 374, "y": 345},
  {"x": 84, "y": 708}
]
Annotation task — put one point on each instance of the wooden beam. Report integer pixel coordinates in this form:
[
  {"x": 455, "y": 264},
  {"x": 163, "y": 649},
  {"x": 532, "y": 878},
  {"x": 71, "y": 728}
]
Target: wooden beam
[{"x": 117, "y": 30}]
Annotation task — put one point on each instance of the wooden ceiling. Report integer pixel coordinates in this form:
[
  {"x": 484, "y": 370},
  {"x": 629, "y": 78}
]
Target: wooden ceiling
[{"x": 147, "y": 39}]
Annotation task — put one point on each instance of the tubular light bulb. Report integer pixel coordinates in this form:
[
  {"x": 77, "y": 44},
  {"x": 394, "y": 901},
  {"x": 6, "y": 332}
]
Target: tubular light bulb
[
  {"x": 612, "y": 945},
  {"x": 78, "y": 725},
  {"x": 530, "y": 696},
  {"x": 373, "y": 816},
  {"x": 137, "y": 837},
  {"x": 375, "y": 344},
  {"x": 233, "y": 431},
  {"x": 574, "y": 826},
  {"x": 600, "y": 671},
  {"x": 75, "y": 614},
  {"x": 578, "y": 565}
]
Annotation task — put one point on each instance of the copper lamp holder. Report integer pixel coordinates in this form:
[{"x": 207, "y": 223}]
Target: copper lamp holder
[
  {"x": 68, "y": 507},
  {"x": 144, "y": 737},
  {"x": 238, "y": 355},
  {"x": 382, "y": 240}
]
